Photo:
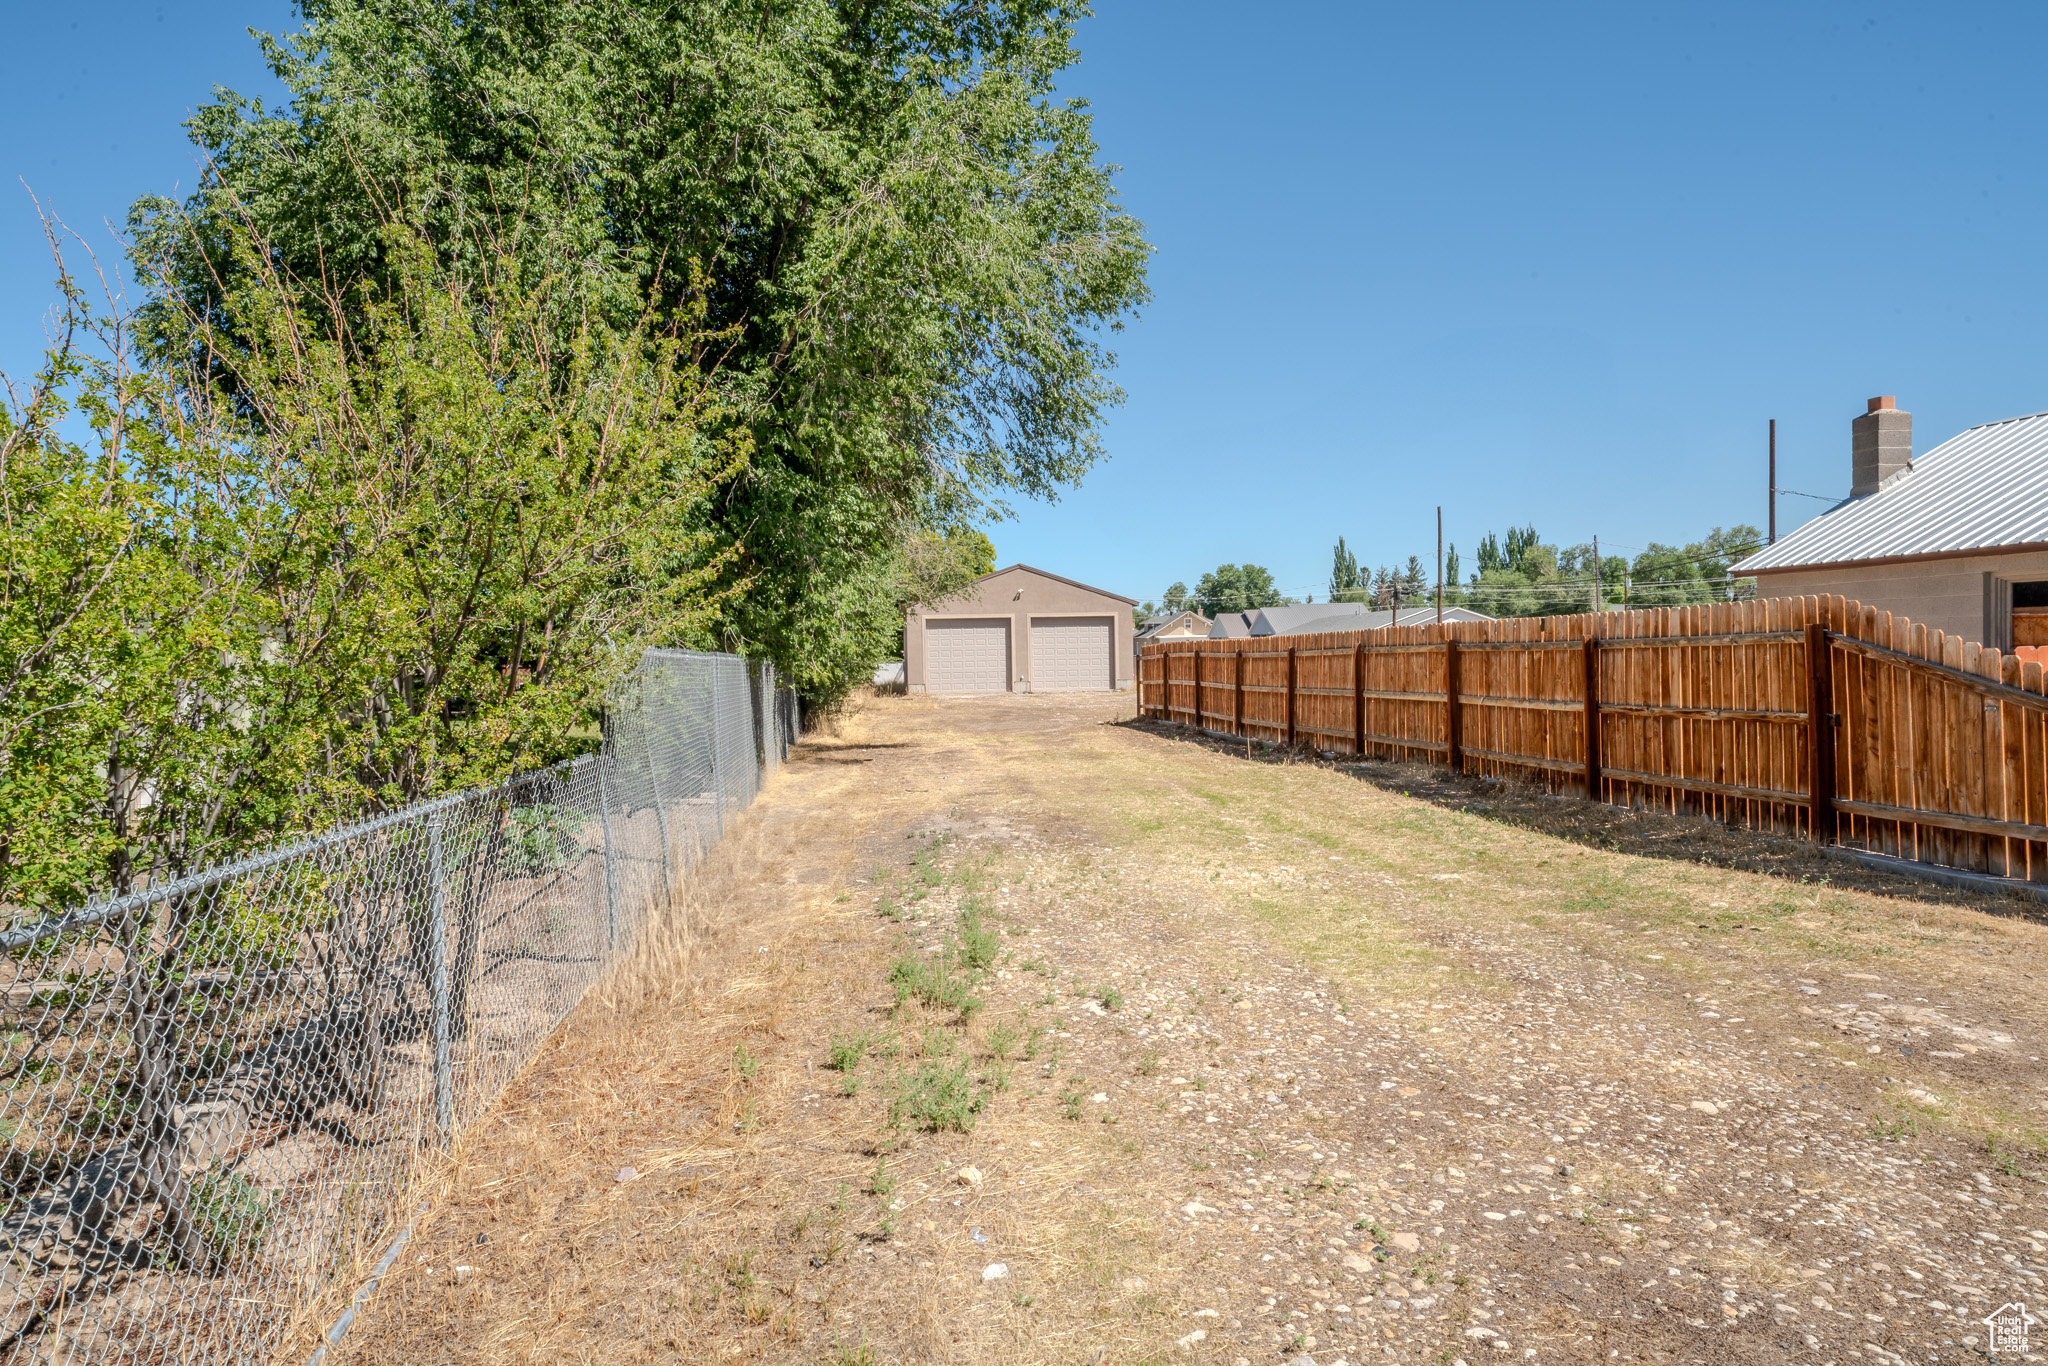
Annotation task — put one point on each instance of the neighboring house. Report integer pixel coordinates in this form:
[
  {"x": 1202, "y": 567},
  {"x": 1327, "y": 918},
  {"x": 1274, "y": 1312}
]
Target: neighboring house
[
  {"x": 1020, "y": 630},
  {"x": 1956, "y": 539},
  {"x": 1314, "y": 618},
  {"x": 1189, "y": 625},
  {"x": 1231, "y": 625}
]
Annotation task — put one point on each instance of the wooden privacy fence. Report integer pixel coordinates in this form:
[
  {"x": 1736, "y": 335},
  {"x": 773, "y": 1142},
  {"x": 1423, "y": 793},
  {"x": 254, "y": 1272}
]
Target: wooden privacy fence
[{"x": 1806, "y": 716}]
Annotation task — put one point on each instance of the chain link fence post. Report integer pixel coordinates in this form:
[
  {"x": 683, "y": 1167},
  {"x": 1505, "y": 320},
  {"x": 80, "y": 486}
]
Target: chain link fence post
[
  {"x": 717, "y": 743},
  {"x": 668, "y": 877},
  {"x": 437, "y": 952},
  {"x": 604, "y": 826}
]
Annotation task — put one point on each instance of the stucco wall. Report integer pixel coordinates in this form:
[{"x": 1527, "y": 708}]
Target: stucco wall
[
  {"x": 1021, "y": 593},
  {"x": 1944, "y": 595}
]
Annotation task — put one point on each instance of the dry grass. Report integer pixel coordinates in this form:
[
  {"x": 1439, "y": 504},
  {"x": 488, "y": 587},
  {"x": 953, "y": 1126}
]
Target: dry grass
[{"x": 1192, "y": 887}]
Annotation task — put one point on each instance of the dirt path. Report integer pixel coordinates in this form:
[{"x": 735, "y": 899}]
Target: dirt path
[{"x": 1268, "y": 1060}]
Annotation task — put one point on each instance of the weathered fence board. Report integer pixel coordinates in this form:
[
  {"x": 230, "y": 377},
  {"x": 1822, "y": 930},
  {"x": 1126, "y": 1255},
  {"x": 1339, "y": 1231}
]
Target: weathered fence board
[{"x": 1810, "y": 716}]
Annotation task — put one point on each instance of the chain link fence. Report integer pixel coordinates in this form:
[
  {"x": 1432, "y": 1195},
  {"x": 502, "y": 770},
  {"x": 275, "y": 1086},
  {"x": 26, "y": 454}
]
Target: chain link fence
[{"x": 219, "y": 1090}]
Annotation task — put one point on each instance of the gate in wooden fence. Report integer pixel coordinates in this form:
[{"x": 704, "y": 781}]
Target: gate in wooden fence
[{"x": 1805, "y": 716}]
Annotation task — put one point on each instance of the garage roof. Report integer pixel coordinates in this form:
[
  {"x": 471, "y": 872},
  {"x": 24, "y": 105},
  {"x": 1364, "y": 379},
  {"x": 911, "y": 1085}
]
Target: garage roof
[{"x": 1071, "y": 583}]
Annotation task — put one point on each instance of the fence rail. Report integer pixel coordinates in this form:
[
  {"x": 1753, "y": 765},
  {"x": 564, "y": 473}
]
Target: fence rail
[
  {"x": 218, "y": 1090},
  {"x": 1817, "y": 717}
]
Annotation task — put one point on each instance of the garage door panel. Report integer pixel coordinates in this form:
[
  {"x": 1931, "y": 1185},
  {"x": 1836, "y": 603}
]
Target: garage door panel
[
  {"x": 1071, "y": 654},
  {"x": 967, "y": 655}
]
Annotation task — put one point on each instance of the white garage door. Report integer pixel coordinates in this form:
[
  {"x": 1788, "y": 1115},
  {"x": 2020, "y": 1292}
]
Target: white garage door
[
  {"x": 967, "y": 656},
  {"x": 1070, "y": 654}
]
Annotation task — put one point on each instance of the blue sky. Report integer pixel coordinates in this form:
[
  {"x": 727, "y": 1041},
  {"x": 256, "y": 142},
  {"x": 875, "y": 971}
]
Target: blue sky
[{"x": 1538, "y": 264}]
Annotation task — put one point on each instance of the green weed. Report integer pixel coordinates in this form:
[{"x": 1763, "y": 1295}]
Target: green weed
[
  {"x": 1001, "y": 1040},
  {"x": 234, "y": 1212},
  {"x": 937, "y": 1097},
  {"x": 978, "y": 945},
  {"x": 744, "y": 1063},
  {"x": 1111, "y": 998},
  {"x": 848, "y": 1051},
  {"x": 930, "y": 980}
]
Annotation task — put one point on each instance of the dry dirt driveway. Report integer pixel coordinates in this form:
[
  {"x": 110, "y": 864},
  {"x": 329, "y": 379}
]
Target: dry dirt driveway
[{"x": 1252, "y": 1058}]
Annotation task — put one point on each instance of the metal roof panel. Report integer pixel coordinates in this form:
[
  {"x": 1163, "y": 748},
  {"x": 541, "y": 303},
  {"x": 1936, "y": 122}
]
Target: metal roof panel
[{"x": 1982, "y": 490}]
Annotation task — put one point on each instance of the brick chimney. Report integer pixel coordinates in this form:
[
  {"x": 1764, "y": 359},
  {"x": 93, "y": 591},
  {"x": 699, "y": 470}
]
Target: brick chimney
[{"x": 1880, "y": 445}]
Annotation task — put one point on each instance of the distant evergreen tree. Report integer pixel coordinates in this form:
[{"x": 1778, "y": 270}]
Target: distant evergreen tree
[
  {"x": 1386, "y": 589},
  {"x": 1414, "y": 580}
]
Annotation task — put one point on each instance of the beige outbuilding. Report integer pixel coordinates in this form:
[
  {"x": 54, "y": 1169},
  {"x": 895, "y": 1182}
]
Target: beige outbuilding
[{"x": 1020, "y": 630}]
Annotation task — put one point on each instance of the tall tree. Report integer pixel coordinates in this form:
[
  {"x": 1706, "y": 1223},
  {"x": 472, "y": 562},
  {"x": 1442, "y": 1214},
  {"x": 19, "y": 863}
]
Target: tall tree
[
  {"x": 907, "y": 238},
  {"x": 1344, "y": 580}
]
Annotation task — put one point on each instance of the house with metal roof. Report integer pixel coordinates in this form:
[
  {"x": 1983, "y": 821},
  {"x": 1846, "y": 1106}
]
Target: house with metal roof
[{"x": 1956, "y": 539}]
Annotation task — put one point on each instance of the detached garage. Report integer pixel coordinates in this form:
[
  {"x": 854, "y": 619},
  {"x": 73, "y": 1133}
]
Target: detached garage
[{"x": 1020, "y": 630}]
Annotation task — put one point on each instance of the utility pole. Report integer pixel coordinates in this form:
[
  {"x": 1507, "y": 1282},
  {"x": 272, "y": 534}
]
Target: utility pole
[
  {"x": 1774, "y": 481},
  {"x": 1596, "y": 573},
  {"x": 1439, "y": 564}
]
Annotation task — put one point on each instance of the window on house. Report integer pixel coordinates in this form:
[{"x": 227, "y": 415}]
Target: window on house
[{"x": 2030, "y": 613}]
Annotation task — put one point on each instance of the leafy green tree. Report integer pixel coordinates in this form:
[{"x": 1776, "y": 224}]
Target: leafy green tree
[
  {"x": 1520, "y": 575},
  {"x": 121, "y": 638},
  {"x": 903, "y": 237},
  {"x": 977, "y": 551},
  {"x": 1675, "y": 576},
  {"x": 1175, "y": 598},
  {"x": 1236, "y": 588},
  {"x": 331, "y": 566}
]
